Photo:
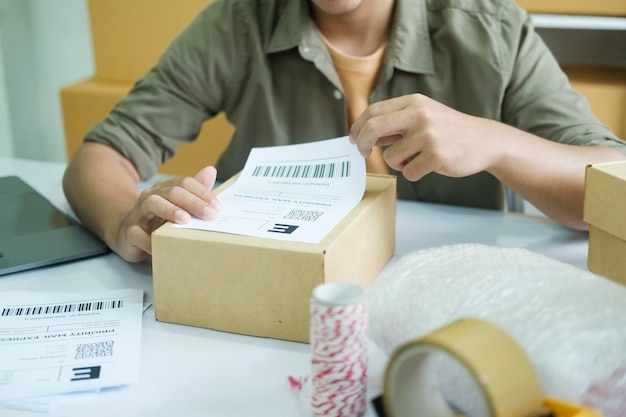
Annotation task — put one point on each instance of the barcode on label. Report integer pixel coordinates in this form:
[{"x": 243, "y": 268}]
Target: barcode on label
[
  {"x": 329, "y": 170},
  {"x": 94, "y": 350},
  {"x": 304, "y": 215},
  {"x": 62, "y": 308}
]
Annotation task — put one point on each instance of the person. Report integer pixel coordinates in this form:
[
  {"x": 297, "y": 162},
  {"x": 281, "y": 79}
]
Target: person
[{"x": 458, "y": 99}]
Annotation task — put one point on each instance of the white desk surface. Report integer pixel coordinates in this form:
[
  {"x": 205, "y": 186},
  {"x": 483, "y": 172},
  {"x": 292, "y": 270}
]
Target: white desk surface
[{"x": 187, "y": 371}]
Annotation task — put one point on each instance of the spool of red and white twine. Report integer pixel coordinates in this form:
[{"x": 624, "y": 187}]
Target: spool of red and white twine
[{"x": 339, "y": 356}]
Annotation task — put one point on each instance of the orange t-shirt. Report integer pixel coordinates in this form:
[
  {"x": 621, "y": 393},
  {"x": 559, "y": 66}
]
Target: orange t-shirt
[{"x": 358, "y": 76}]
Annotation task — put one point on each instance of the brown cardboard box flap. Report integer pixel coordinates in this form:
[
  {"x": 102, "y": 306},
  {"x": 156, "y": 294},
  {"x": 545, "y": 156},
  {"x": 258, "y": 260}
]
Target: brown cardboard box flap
[
  {"x": 606, "y": 255},
  {"x": 605, "y": 197}
]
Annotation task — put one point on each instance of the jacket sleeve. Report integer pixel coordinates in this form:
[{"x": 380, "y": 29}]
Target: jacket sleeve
[
  {"x": 168, "y": 106},
  {"x": 539, "y": 98}
]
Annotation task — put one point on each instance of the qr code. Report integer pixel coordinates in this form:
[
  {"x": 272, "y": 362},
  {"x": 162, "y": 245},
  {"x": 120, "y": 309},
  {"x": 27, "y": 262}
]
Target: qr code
[
  {"x": 304, "y": 215},
  {"x": 94, "y": 350}
]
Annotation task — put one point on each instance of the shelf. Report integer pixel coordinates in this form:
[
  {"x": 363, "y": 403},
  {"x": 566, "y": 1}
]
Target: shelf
[
  {"x": 595, "y": 41},
  {"x": 576, "y": 7},
  {"x": 572, "y": 22}
]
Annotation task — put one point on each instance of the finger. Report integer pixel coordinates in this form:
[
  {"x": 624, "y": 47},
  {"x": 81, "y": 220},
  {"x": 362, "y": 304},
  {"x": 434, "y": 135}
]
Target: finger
[
  {"x": 152, "y": 210},
  {"x": 388, "y": 140},
  {"x": 195, "y": 185},
  {"x": 188, "y": 194},
  {"x": 417, "y": 167},
  {"x": 207, "y": 177},
  {"x": 384, "y": 130},
  {"x": 413, "y": 155},
  {"x": 382, "y": 125},
  {"x": 374, "y": 110},
  {"x": 402, "y": 151},
  {"x": 139, "y": 238},
  {"x": 379, "y": 130},
  {"x": 176, "y": 203}
]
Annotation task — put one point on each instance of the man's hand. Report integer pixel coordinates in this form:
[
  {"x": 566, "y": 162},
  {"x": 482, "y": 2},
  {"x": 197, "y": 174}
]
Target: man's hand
[
  {"x": 174, "y": 200},
  {"x": 102, "y": 186},
  {"x": 425, "y": 136}
]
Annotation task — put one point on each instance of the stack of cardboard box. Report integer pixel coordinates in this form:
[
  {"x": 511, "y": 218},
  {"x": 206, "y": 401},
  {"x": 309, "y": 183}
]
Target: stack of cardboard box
[{"x": 128, "y": 37}]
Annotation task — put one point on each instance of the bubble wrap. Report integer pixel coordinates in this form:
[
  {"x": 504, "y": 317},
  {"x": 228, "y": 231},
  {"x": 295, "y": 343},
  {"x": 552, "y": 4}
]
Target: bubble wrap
[{"x": 570, "y": 322}]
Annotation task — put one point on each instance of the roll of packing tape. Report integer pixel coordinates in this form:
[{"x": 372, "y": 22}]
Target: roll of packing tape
[{"x": 469, "y": 368}]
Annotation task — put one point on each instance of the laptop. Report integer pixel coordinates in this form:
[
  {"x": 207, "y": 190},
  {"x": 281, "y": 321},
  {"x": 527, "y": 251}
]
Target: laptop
[{"x": 35, "y": 233}]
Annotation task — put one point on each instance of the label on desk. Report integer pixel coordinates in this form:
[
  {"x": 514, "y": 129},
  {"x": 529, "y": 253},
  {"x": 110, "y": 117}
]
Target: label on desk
[{"x": 52, "y": 343}]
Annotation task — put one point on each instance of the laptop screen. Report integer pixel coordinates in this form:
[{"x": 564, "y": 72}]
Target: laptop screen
[
  {"x": 35, "y": 233},
  {"x": 26, "y": 213}
]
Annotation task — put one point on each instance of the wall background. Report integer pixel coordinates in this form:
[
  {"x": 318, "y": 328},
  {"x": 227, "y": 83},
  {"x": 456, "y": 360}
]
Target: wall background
[
  {"x": 6, "y": 143},
  {"x": 44, "y": 45}
]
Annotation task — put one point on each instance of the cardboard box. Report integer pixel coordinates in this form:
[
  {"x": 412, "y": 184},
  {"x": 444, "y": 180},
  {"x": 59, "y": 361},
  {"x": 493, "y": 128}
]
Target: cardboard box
[
  {"x": 605, "y": 90},
  {"x": 86, "y": 103},
  {"x": 605, "y": 198},
  {"x": 607, "y": 255},
  {"x": 262, "y": 287},
  {"x": 129, "y": 36},
  {"x": 583, "y": 7}
]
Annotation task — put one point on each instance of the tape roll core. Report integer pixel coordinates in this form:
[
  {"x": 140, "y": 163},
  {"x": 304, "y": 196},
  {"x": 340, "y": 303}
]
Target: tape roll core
[
  {"x": 500, "y": 379},
  {"x": 337, "y": 294}
]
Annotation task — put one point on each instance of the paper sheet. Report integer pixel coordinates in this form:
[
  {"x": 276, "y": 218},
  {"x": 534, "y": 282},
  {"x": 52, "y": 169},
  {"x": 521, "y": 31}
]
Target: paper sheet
[
  {"x": 52, "y": 343},
  {"x": 296, "y": 193}
]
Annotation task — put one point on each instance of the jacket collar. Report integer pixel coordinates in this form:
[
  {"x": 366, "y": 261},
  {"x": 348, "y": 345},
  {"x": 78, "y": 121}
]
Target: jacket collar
[{"x": 409, "y": 46}]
